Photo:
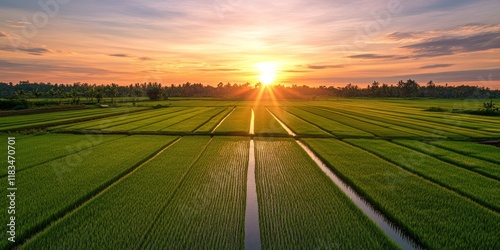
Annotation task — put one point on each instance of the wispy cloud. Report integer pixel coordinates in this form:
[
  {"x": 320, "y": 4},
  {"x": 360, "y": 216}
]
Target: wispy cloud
[
  {"x": 210, "y": 41},
  {"x": 433, "y": 66},
  {"x": 324, "y": 66},
  {"x": 453, "y": 76},
  {"x": 43, "y": 67},
  {"x": 452, "y": 45},
  {"x": 402, "y": 35},
  {"x": 296, "y": 71},
  {"x": 36, "y": 51},
  {"x": 119, "y": 55},
  {"x": 371, "y": 56},
  {"x": 220, "y": 69},
  {"x": 145, "y": 58}
]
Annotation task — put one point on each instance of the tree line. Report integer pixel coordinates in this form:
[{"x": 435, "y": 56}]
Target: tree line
[{"x": 79, "y": 92}]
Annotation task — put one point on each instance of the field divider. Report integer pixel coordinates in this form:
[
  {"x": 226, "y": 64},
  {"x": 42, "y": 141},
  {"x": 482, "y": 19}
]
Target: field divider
[
  {"x": 391, "y": 229},
  {"x": 89, "y": 197},
  {"x": 287, "y": 129},
  {"x": 162, "y": 209},
  {"x": 223, "y": 119},
  {"x": 252, "y": 229},
  {"x": 252, "y": 124},
  {"x": 312, "y": 124}
]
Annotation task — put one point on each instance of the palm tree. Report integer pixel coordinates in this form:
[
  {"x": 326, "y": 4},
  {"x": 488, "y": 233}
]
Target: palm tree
[
  {"x": 75, "y": 95},
  {"x": 91, "y": 92},
  {"x": 51, "y": 93},
  {"x": 36, "y": 93},
  {"x": 99, "y": 94},
  {"x": 113, "y": 91},
  {"x": 21, "y": 94}
]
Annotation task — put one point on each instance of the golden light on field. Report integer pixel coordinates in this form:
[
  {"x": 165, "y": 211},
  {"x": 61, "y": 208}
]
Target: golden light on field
[{"x": 268, "y": 72}]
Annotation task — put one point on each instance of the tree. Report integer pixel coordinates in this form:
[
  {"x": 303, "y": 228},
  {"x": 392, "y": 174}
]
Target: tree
[
  {"x": 91, "y": 92},
  {"x": 490, "y": 107},
  {"x": 75, "y": 95},
  {"x": 375, "y": 89},
  {"x": 99, "y": 93},
  {"x": 36, "y": 93},
  {"x": 51, "y": 93},
  {"x": 113, "y": 91},
  {"x": 20, "y": 94},
  {"x": 409, "y": 88},
  {"x": 154, "y": 91}
]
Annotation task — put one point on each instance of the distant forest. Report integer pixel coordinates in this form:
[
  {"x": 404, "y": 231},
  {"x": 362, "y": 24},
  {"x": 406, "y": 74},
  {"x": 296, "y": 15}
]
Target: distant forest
[{"x": 157, "y": 91}]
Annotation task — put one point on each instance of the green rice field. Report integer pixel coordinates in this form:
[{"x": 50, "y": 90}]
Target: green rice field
[{"x": 178, "y": 177}]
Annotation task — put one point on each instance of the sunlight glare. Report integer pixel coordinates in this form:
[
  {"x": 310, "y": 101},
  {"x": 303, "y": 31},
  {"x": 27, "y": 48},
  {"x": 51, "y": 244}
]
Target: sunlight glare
[{"x": 267, "y": 72}]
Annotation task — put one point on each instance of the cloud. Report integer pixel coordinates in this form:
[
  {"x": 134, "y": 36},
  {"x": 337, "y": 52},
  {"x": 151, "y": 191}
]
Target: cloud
[
  {"x": 371, "y": 56},
  {"x": 145, "y": 58},
  {"x": 46, "y": 67},
  {"x": 426, "y": 7},
  {"x": 36, "y": 51},
  {"x": 119, "y": 55},
  {"x": 295, "y": 71},
  {"x": 10, "y": 65},
  {"x": 454, "y": 76},
  {"x": 402, "y": 35},
  {"x": 221, "y": 69},
  {"x": 324, "y": 66},
  {"x": 3, "y": 34},
  {"x": 433, "y": 66},
  {"x": 452, "y": 45}
]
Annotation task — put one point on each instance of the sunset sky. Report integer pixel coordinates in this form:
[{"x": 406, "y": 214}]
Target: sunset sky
[{"x": 316, "y": 42}]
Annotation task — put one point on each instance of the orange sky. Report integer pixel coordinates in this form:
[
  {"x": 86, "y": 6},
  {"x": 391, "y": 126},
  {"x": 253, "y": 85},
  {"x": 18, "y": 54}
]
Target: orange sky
[{"x": 307, "y": 42}]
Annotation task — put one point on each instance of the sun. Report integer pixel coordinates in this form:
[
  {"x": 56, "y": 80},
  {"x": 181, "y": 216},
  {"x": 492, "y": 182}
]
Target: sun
[{"x": 267, "y": 72}]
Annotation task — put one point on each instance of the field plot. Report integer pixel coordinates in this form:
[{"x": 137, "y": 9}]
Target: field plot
[
  {"x": 265, "y": 124},
  {"x": 422, "y": 170},
  {"x": 335, "y": 128},
  {"x": 470, "y": 184},
  {"x": 45, "y": 119},
  {"x": 49, "y": 190},
  {"x": 209, "y": 126},
  {"x": 480, "y": 151},
  {"x": 35, "y": 150},
  {"x": 484, "y": 167},
  {"x": 152, "y": 118},
  {"x": 236, "y": 123},
  {"x": 117, "y": 208},
  {"x": 192, "y": 102},
  {"x": 449, "y": 128},
  {"x": 161, "y": 124},
  {"x": 126, "y": 120},
  {"x": 432, "y": 214},
  {"x": 299, "y": 206},
  {"x": 377, "y": 128},
  {"x": 297, "y": 125},
  {"x": 191, "y": 124},
  {"x": 208, "y": 209}
]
